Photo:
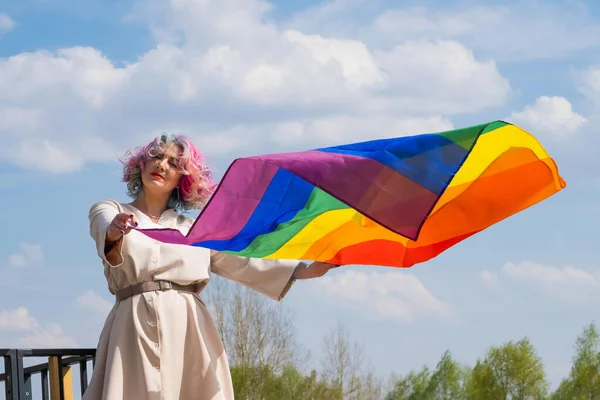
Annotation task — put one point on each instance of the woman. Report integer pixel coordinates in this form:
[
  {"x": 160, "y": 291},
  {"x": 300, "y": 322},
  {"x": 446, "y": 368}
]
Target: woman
[{"x": 159, "y": 341}]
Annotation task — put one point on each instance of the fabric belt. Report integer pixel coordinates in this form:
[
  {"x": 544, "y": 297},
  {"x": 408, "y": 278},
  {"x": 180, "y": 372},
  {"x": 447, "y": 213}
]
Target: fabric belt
[{"x": 156, "y": 286}]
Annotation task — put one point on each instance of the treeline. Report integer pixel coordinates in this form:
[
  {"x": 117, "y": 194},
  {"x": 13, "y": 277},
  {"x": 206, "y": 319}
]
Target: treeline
[
  {"x": 267, "y": 362},
  {"x": 512, "y": 371}
]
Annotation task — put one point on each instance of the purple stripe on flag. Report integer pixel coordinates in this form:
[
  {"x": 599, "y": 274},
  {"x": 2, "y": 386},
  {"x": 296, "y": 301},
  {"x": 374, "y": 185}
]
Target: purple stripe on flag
[
  {"x": 231, "y": 206},
  {"x": 372, "y": 188}
]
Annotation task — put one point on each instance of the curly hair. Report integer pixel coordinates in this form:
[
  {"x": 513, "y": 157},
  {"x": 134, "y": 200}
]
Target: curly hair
[{"x": 196, "y": 184}]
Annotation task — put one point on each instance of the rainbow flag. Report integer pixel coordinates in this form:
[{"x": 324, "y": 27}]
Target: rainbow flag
[{"x": 390, "y": 202}]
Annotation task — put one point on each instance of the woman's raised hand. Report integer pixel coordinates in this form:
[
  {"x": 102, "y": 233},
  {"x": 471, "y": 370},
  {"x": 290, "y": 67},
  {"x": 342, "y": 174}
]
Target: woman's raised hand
[
  {"x": 314, "y": 270},
  {"x": 121, "y": 225}
]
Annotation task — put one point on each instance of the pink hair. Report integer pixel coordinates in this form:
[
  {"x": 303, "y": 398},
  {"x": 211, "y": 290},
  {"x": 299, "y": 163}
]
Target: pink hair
[{"x": 196, "y": 184}]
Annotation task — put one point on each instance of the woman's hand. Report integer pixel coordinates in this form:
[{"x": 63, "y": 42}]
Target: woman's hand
[
  {"x": 121, "y": 225},
  {"x": 313, "y": 270}
]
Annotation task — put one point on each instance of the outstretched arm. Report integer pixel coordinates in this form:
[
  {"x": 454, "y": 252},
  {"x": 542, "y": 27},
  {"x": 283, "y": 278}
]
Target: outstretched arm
[
  {"x": 315, "y": 269},
  {"x": 273, "y": 278}
]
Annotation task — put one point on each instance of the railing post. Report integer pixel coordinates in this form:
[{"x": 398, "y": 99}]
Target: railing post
[
  {"x": 24, "y": 382},
  {"x": 83, "y": 376},
  {"x": 25, "y": 390},
  {"x": 44, "y": 383},
  {"x": 56, "y": 375},
  {"x": 11, "y": 388},
  {"x": 61, "y": 379}
]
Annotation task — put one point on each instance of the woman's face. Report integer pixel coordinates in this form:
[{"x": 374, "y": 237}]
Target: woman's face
[{"x": 161, "y": 174}]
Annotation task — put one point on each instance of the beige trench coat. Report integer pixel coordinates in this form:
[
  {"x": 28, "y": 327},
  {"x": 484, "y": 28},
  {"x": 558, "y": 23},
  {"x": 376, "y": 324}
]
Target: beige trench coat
[{"x": 164, "y": 345}]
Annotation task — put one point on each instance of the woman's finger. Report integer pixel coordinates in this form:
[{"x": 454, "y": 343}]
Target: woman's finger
[
  {"x": 119, "y": 226},
  {"x": 129, "y": 221},
  {"x": 124, "y": 217}
]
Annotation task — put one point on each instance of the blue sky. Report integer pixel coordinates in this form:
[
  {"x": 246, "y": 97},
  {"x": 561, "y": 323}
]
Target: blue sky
[{"x": 78, "y": 86}]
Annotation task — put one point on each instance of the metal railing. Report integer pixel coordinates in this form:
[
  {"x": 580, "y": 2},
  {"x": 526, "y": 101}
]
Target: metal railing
[{"x": 55, "y": 375}]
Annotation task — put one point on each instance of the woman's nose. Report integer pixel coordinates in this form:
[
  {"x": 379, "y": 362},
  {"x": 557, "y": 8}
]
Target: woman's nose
[{"x": 163, "y": 164}]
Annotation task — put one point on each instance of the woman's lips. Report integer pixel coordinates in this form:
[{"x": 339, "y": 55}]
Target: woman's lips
[{"x": 158, "y": 176}]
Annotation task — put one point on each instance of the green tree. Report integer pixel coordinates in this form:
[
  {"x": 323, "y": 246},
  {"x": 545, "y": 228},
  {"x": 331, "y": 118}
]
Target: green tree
[
  {"x": 413, "y": 386},
  {"x": 583, "y": 382},
  {"x": 448, "y": 379},
  {"x": 512, "y": 371},
  {"x": 294, "y": 386},
  {"x": 446, "y": 382},
  {"x": 261, "y": 383}
]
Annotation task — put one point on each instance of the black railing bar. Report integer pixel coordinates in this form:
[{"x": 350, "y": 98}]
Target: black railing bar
[
  {"x": 67, "y": 361},
  {"x": 56, "y": 352},
  {"x": 24, "y": 387},
  {"x": 11, "y": 387},
  {"x": 44, "y": 382},
  {"x": 83, "y": 376},
  {"x": 25, "y": 392},
  {"x": 44, "y": 366}
]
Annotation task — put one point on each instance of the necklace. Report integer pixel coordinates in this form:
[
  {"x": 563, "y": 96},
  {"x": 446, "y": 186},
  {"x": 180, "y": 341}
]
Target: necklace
[{"x": 153, "y": 219}]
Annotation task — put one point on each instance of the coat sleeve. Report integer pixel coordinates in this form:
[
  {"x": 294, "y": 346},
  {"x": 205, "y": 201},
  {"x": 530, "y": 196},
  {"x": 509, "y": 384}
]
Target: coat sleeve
[
  {"x": 273, "y": 278},
  {"x": 101, "y": 215}
]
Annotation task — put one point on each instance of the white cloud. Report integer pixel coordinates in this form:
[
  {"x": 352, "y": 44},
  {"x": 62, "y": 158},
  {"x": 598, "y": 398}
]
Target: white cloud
[
  {"x": 442, "y": 77},
  {"x": 391, "y": 295},
  {"x": 559, "y": 29},
  {"x": 24, "y": 120},
  {"x": 93, "y": 301},
  {"x": 31, "y": 254},
  {"x": 219, "y": 71},
  {"x": 488, "y": 277},
  {"x": 566, "y": 283},
  {"x": 319, "y": 132},
  {"x": 52, "y": 336},
  {"x": 82, "y": 72},
  {"x": 30, "y": 332},
  {"x": 549, "y": 277},
  {"x": 553, "y": 115},
  {"x": 50, "y": 106},
  {"x": 354, "y": 59},
  {"x": 6, "y": 23},
  {"x": 16, "y": 320}
]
